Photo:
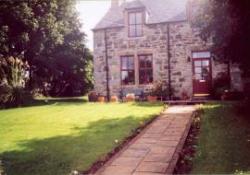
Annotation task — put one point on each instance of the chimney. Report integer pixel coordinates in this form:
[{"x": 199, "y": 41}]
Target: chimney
[
  {"x": 116, "y": 3},
  {"x": 193, "y": 9}
]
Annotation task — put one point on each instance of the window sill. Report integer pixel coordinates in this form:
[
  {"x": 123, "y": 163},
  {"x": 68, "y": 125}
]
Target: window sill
[
  {"x": 127, "y": 86},
  {"x": 145, "y": 85},
  {"x": 135, "y": 37},
  {"x": 137, "y": 85}
]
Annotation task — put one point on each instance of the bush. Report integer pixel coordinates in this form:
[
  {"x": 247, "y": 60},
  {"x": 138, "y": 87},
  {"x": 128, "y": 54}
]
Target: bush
[
  {"x": 93, "y": 96},
  {"x": 160, "y": 90},
  {"x": 13, "y": 96},
  {"x": 12, "y": 82},
  {"x": 221, "y": 84}
]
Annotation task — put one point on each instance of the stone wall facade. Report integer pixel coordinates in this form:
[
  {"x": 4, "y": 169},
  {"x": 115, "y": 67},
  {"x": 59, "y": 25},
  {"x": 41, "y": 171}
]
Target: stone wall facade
[{"x": 183, "y": 41}]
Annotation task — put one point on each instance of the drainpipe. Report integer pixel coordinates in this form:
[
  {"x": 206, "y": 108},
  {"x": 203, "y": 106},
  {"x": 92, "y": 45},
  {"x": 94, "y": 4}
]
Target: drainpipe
[
  {"x": 229, "y": 74},
  {"x": 169, "y": 63},
  {"x": 107, "y": 66}
]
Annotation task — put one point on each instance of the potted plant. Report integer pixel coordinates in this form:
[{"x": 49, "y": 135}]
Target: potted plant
[
  {"x": 93, "y": 96},
  {"x": 152, "y": 98},
  {"x": 101, "y": 98},
  {"x": 160, "y": 90},
  {"x": 130, "y": 97},
  {"x": 114, "y": 98},
  {"x": 184, "y": 95},
  {"x": 152, "y": 95}
]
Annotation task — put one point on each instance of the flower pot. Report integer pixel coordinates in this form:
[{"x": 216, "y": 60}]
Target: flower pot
[
  {"x": 152, "y": 98},
  {"x": 93, "y": 97},
  {"x": 114, "y": 98},
  {"x": 130, "y": 98},
  {"x": 101, "y": 99}
]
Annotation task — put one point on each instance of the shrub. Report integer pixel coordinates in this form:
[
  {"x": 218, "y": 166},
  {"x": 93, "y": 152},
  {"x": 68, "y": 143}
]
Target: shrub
[
  {"x": 12, "y": 82},
  {"x": 221, "y": 84},
  {"x": 93, "y": 96},
  {"x": 160, "y": 90}
]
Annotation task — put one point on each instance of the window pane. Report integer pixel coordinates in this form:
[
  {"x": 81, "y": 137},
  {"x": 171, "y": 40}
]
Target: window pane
[
  {"x": 197, "y": 63},
  {"x": 201, "y": 54},
  {"x": 132, "y": 30},
  {"x": 124, "y": 63},
  {"x": 198, "y": 70},
  {"x": 198, "y": 76},
  {"x": 142, "y": 62},
  {"x": 127, "y": 63},
  {"x": 130, "y": 63},
  {"x": 205, "y": 70},
  {"x": 138, "y": 30},
  {"x": 128, "y": 77},
  {"x": 141, "y": 76},
  {"x": 127, "y": 72},
  {"x": 135, "y": 24},
  {"x": 150, "y": 76},
  {"x": 146, "y": 76},
  {"x": 149, "y": 62},
  {"x": 145, "y": 69},
  {"x": 124, "y": 75},
  {"x": 138, "y": 18},
  {"x": 145, "y": 61},
  {"x": 132, "y": 18},
  {"x": 205, "y": 63}
]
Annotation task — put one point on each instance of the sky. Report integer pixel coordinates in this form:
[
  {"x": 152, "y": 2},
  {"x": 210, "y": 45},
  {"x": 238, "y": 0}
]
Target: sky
[{"x": 90, "y": 13}]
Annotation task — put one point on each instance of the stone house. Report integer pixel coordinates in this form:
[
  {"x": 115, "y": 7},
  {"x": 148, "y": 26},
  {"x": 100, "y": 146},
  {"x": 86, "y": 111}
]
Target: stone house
[{"x": 141, "y": 42}]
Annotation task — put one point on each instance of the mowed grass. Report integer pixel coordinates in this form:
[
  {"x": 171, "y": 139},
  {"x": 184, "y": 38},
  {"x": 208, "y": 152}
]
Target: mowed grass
[
  {"x": 65, "y": 136},
  {"x": 224, "y": 141}
]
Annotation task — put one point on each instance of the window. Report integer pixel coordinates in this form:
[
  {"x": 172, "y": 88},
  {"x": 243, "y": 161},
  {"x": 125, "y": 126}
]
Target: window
[
  {"x": 135, "y": 23},
  {"x": 127, "y": 70},
  {"x": 201, "y": 65},
  {"x": 201, "y": 54},
  {"x": 201, "y": 69},
  {"x": 145, "y": 69}
]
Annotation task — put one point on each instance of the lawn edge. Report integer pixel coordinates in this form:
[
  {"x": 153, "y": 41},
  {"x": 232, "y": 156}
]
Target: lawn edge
[{"x": 184, "y": 162}]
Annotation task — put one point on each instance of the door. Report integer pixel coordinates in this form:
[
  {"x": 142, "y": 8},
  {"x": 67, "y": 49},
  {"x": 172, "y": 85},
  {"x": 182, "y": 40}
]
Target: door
[{"x": 202, "y": 74}]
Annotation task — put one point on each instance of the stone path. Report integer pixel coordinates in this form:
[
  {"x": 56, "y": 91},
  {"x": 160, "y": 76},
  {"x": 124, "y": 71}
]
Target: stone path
[{"x": 155, "y": 150}]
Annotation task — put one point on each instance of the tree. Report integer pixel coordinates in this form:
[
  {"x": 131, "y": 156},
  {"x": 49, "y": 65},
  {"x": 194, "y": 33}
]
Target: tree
[
  {"x": 46, "y": 34},
  {"x": 227, "y": 23}
]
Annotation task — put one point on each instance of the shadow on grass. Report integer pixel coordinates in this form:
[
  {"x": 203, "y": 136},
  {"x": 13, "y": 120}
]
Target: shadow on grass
[
  {"x": 224, "y": 141},
  {"x": 60, "y": 155},
  {"x": 50, "y": 101},
  {"x": 148, "y": 104}
]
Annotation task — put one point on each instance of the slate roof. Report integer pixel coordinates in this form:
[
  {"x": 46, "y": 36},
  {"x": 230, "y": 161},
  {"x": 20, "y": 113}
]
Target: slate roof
[{"x": 158, "y": 11}]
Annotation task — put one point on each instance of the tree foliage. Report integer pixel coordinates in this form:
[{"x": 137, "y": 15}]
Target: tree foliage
[
  {"x": 227, "y": 23},
  {"x": 46, "y": 34}
]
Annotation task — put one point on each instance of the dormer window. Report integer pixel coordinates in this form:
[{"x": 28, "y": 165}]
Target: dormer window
[{"x": 135, "y": 24}]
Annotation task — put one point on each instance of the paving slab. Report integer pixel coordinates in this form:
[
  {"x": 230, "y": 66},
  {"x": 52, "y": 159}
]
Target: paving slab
[{"x": 155, "y": 150}]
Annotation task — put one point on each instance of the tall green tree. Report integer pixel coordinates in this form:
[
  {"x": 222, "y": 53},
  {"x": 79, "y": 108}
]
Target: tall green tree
[
  {"x": 47, "y": 35},
  {"x": 227, "y": 23}
]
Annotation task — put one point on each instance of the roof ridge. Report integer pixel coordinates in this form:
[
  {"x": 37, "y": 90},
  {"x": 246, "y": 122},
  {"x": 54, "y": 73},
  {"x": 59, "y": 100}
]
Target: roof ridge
[{"x": 159, "y": 11}]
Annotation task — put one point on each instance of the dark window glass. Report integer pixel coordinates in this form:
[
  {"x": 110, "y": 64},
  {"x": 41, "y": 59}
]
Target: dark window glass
[
  {"x": 127, "y": 70},
  {"x": 135, "y": 24},
  {"x": 201, "y": 69},
  {"x": 145, "y": 69}
]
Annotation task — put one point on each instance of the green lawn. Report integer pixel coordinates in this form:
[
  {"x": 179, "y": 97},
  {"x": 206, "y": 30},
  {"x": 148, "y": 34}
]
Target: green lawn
[
  {"x": 224, "y": 141},
  {"x": 64, "y": 136}
]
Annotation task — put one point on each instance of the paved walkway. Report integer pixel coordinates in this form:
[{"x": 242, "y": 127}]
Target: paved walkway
[{"x": 155, "y": 150}]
